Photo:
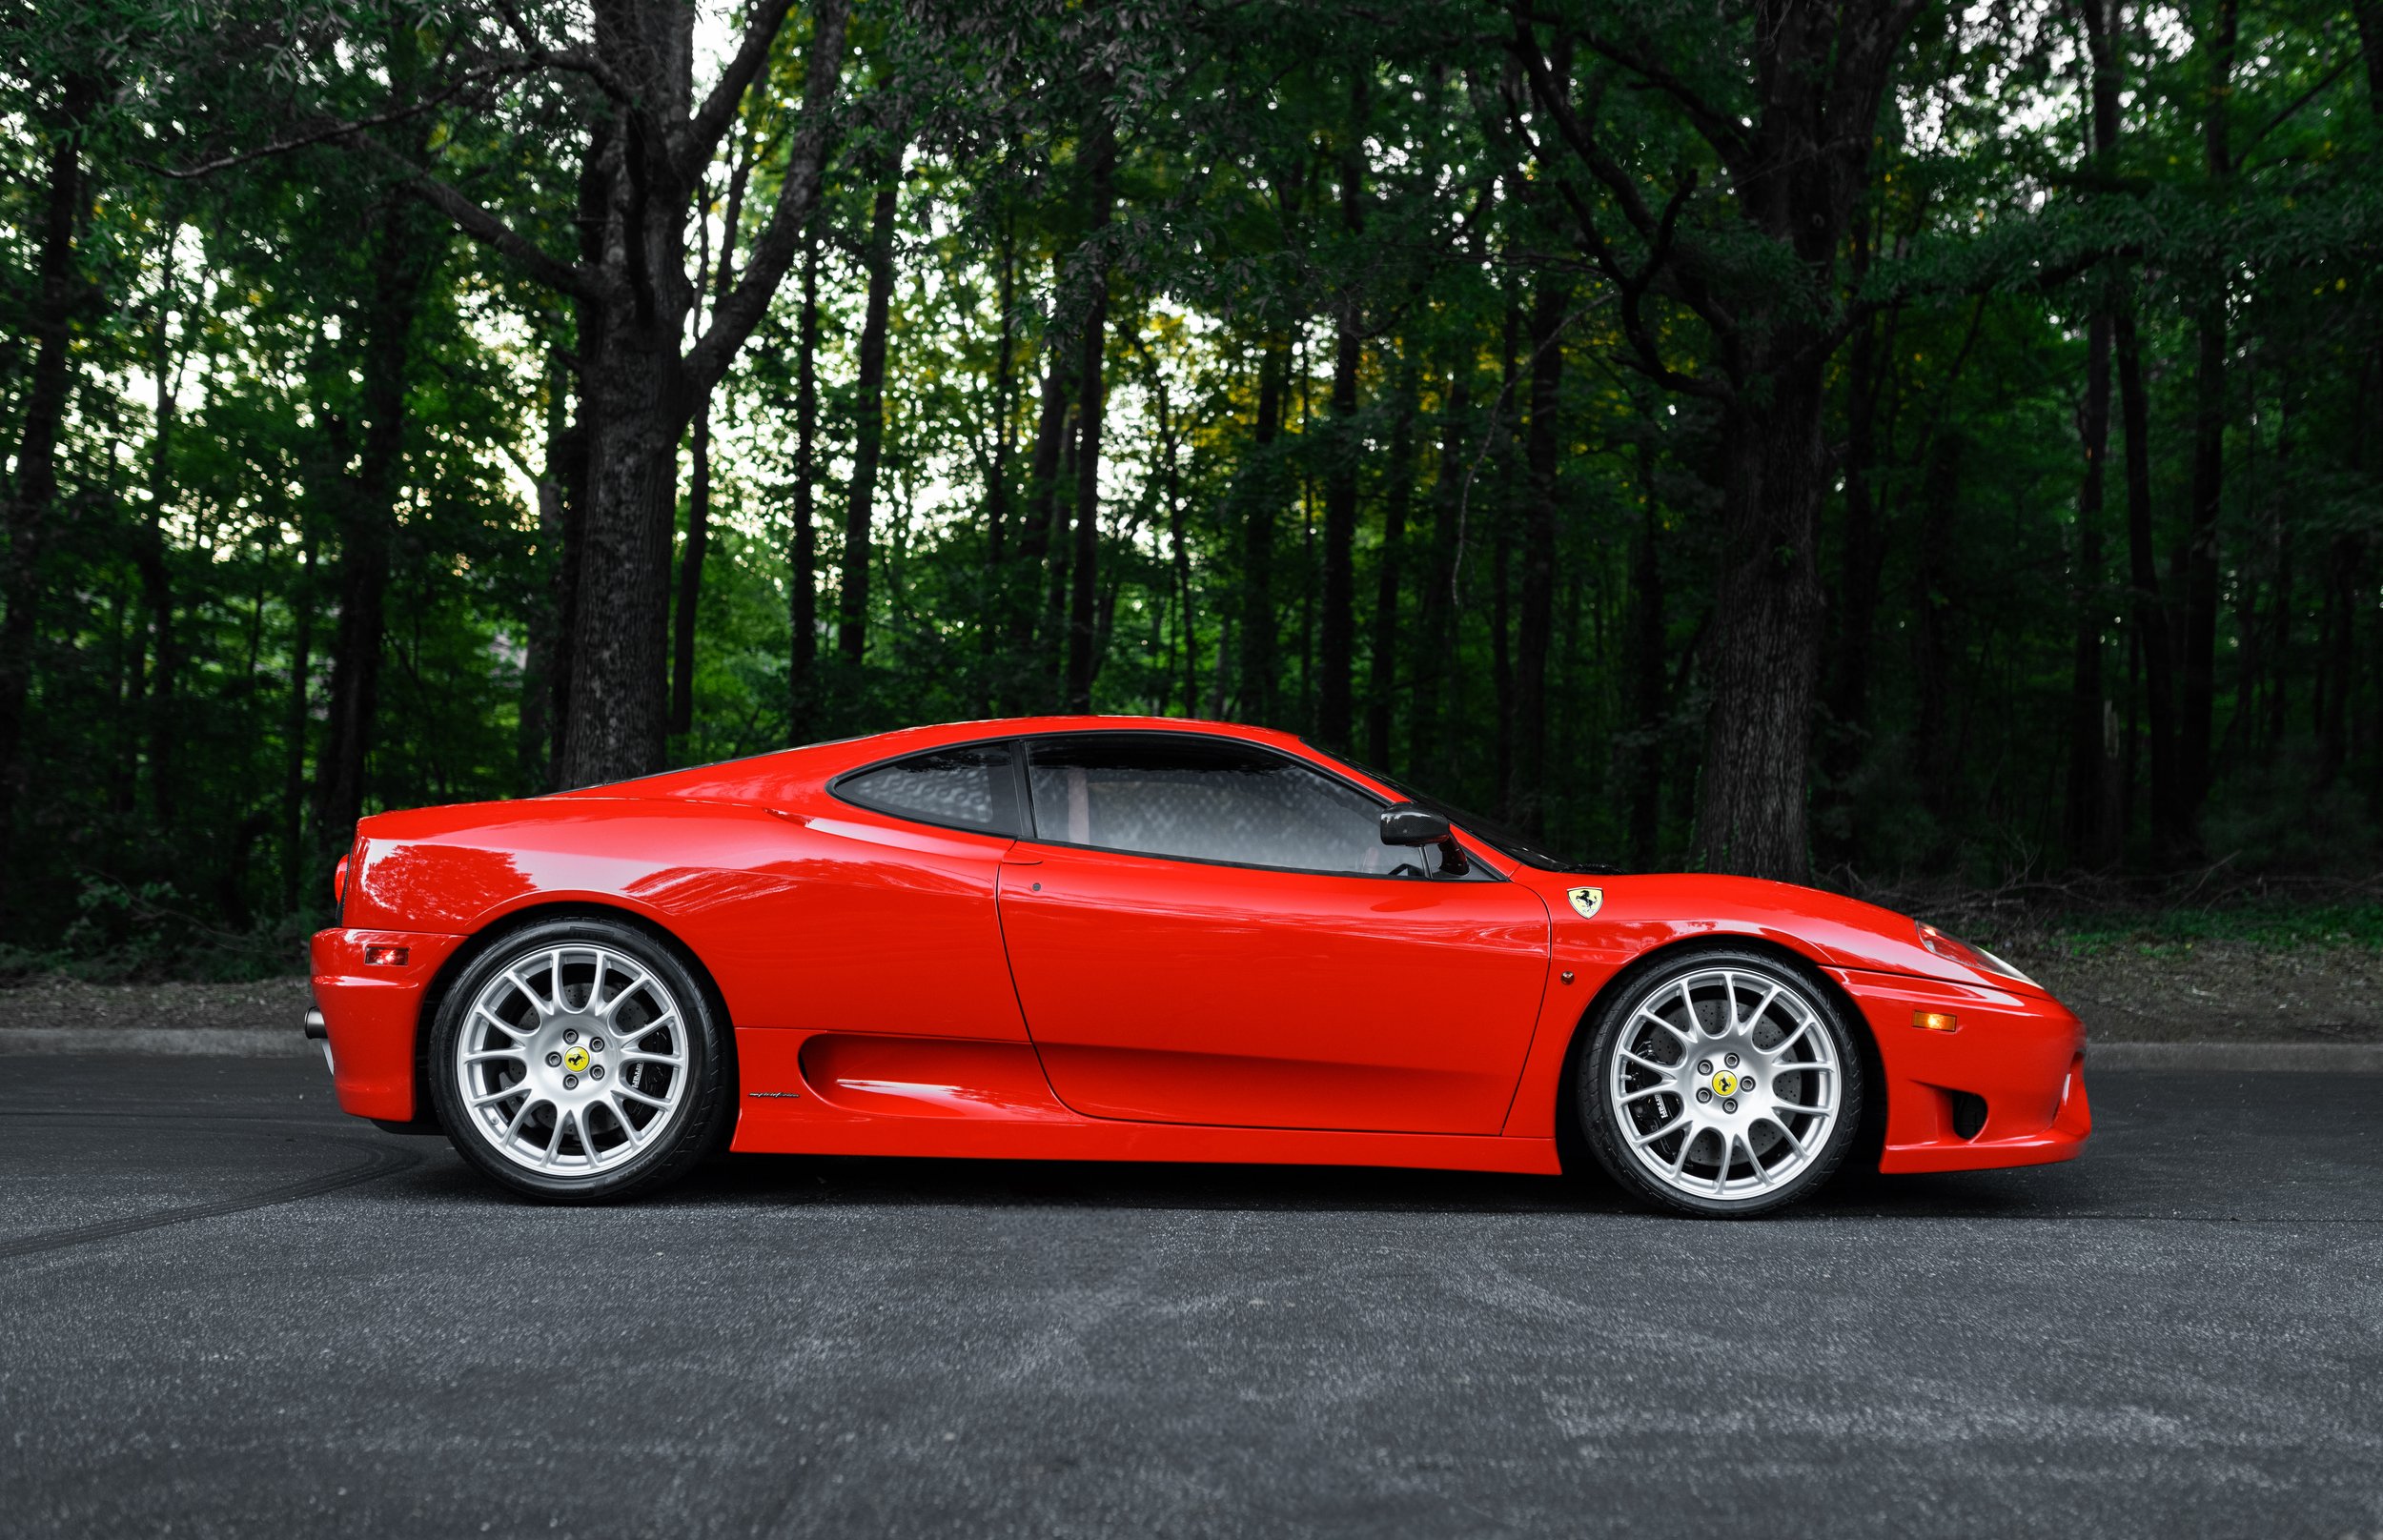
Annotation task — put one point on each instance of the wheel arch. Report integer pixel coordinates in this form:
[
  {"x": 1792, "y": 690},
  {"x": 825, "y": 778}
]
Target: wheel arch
[
  {"x": 1572, "y": 1149},
  {"x": 514, "y": 921}
]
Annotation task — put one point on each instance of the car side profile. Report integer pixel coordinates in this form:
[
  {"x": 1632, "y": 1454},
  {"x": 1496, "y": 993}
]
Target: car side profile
[{"x": 1144, "y": 939}]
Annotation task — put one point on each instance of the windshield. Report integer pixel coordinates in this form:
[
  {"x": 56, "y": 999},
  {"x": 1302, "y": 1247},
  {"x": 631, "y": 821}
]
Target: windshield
[{"x": 1495, "y": 835}]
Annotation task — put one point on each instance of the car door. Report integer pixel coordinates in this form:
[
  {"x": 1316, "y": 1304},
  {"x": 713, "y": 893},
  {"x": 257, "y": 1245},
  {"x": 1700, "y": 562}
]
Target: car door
[{"x": 1204, "y": 930}]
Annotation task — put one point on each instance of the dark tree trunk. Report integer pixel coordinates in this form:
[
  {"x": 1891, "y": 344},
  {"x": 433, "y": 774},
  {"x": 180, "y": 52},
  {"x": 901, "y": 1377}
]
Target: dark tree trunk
[
  {"x": 1382, "y": 678},
  {"x": 405, "y": 249},
  {"x": 1642, "y": 674},
  {"x": 639, "y": 398},
  {"x": 2088, "y": 817},
  {"x": 2369, "y": 14},
  {"x": 993, "y": 598},
  {"x": 533, "y": 763},
  {"x": 803, "y": 585},
  {"x": 1750, "y": 817},
  {"x": 2088, "y": 825},
  {"x": 868, "y": 418},
  {"x": 647, "y": 151},
  {"x": 1502, "y": 564},
  {"x": 158, "y": 598},
  {"x": 2343, "y": 579},
  {"x": 2279, "y": 642},
  {"x": 1798, "y": 171},
  {"x": 1179, "y": 550},
  {"x": 1526, "y": 799},
  {"x": 1050, "y": 660},
  {"x": 2151, "y": 614},
  {"x": 32, "y": 500},
  {"x": 295, "y": 857},
  {"x": 1435, "y": 658},
  {"x": 565, "y": 582},
  {"x": 577, "y": 458},
  {"x": 699, "y": 535},
  {"x": 1261, "y": 663},
  {"x": 699, "y": 497},
  {"x": 1335, "y": 685},
  {"x": 156, "y": 580},
  {"x": 1042, "y": 491},
  {"x": 2208, "y": 459},
  {"x": 1501, "y": 662},
  {"x": 1083, "y": 630},
  {"x": 1935, "y": 606},
  {"x": 1861, "y": 567}
]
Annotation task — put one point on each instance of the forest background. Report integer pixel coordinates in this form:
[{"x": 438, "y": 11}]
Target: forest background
[{"x": 1919, "y": 448}]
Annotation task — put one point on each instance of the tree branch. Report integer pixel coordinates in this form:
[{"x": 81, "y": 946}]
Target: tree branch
[
  {"x": 1719, "y": 129},
  {"x": 576, "y": 61},
  {"x": 1600, "y": 165},
  {"x": 735, "y": 315},
  {"x": 327, "y": 131},
  {"x": 486, "y": 228},
  {"x": 701, "y": 136}
]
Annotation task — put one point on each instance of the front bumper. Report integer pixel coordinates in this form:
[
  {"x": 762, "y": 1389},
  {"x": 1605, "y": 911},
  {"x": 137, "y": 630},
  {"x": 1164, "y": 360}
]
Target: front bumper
[
  {"x": 2021, "y": 1055},
  {"x": 371, "y": 1013}
]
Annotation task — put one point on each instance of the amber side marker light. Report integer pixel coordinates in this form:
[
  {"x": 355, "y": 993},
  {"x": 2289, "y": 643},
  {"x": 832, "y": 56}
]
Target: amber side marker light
[
  {"x": 394, "y": 957},
  {"x": 1936, "y": 1021}
]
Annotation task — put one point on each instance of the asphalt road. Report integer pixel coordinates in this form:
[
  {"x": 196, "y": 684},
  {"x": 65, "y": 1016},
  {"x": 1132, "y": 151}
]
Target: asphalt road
[{"x": 224, "y": 1309}]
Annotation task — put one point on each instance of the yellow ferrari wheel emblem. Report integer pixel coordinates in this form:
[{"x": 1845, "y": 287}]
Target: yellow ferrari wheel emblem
[
  {"x": 1587, "y": 899},
  {"x": 575, "y": 1060},
  {"x": 1725, "y": 1084}
]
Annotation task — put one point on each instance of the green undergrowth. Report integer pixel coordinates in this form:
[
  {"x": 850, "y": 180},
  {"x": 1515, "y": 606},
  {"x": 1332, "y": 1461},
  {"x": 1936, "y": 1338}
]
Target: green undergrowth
[{"x": 2269, "y": 925}]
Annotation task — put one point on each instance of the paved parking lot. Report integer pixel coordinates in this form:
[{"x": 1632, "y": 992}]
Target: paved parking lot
[{"x": 229, "y": 1310}]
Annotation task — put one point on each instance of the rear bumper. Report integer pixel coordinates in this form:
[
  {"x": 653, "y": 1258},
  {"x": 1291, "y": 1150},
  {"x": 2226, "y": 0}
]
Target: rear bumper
[
  {"x": 371, "y": 1012},
  {"x": 2021, "y": 1055}
]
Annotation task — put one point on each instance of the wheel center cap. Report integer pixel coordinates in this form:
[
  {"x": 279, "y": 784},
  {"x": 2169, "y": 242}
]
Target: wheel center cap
[
  {"x": 575, "y": 1059},
  {"x": 1724, "y": 1083}
]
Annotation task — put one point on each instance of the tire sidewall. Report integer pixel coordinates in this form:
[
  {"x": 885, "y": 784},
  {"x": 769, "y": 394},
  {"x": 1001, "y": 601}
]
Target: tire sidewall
[
  {"x": 695, "y": 1122},
  {"x": 1600, "y": 1130}
]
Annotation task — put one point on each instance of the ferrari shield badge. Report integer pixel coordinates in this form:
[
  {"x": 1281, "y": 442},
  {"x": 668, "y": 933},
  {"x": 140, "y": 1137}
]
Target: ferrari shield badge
[{"x": 1588, "y": 900}]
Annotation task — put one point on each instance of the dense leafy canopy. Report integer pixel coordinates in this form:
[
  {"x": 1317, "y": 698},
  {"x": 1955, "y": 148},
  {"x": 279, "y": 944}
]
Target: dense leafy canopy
[{"x": 1744, "y": 435}]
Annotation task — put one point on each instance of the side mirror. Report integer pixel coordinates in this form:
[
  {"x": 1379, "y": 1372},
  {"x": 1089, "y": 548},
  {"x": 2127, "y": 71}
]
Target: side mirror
[{"x": 1407, "y": 825}]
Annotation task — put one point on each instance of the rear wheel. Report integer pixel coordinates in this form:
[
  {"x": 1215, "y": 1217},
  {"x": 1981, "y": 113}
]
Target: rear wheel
[
  {"x": 1723, "y": 1083},
  {"x": 578, "y": 1060}
]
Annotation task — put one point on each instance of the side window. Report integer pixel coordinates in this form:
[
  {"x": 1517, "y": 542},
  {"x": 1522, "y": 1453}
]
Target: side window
[
  {"x": 1204, "y": 799},
  {"x": 970, "y": 787}
]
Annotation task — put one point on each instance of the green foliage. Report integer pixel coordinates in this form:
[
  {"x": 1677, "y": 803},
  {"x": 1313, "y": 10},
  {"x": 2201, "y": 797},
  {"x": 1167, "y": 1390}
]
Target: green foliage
[{"x": 204, "y": 545}]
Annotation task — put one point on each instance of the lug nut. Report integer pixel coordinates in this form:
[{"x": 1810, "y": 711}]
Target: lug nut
[
  {"x": 1746, "y": 1084},
  {"x": 570, "y": 1034},
  {"x": 1731, "y": 1061},
  {"x": 595, "y": 1044},
  {"x": 570, "y": 1082},
  {"x": 1704, "y": 1095},
  {"x": 596, "y": 1073},
  {"x": 1704, "y": 1066},
  {"x": 1729, "y": 1105},
  {"x": 553, "y": 1061}
]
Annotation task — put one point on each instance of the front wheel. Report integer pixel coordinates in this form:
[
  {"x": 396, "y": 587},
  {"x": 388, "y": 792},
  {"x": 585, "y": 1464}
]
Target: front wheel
[
  {"x": 1723, "y": 1083},
  {"x": 578, "y": 1060}
]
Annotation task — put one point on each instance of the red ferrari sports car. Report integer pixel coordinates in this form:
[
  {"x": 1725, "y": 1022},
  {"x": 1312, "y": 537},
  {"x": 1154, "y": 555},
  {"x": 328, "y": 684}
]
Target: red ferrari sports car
[{"x": 1124, "y": 939}]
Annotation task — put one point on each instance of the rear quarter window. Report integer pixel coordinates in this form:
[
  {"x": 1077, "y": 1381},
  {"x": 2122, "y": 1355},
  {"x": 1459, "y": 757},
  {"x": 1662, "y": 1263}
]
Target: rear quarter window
[{"x": 968, "y": 786}]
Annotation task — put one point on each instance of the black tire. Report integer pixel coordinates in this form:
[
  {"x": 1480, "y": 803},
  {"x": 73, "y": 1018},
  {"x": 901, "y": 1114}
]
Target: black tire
[
  {"x": 697, "y": 1116},
  {"x": 1686, "y": 989}
]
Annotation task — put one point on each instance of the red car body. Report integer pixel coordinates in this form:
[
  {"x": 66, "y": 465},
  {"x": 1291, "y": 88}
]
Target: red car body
[{"x": 897, "y": 989}]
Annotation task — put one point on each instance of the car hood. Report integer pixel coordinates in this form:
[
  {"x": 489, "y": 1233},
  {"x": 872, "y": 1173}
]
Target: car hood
[{"x": 1828, "y": 927}]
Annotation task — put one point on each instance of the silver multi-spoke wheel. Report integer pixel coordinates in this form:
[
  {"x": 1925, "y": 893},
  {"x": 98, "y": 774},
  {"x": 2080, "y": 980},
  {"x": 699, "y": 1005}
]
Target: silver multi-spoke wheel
[
  {"x": 1726, "y": 1083},
  {"x": 572, "y": 1060}
]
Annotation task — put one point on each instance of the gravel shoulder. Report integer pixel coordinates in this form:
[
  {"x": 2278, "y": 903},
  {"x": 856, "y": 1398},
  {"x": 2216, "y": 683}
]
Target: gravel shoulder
[
  {"x": 2218, "y": 991},
  {"x": 53, "y": 1003},
  {"x": 2206, "y": 992}
]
